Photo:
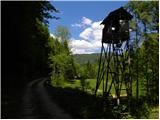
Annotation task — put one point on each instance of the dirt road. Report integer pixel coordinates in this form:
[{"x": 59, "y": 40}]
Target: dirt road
[{"x": 37, "y": 103}]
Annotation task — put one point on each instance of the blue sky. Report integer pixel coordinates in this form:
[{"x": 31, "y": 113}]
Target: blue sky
[{"x": 83, "y": 21}]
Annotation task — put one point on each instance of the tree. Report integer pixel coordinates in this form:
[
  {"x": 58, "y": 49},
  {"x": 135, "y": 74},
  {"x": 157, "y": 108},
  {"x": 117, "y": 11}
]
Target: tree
[
  {"x": 24, "y": 54},
  {"x": 62, "y": 33},
  {"x": 24, "y": 36},
  {"x": 60, "y": 59},
  {"x": 146, "y": 18},
  {"x": 90, "y": 70}
]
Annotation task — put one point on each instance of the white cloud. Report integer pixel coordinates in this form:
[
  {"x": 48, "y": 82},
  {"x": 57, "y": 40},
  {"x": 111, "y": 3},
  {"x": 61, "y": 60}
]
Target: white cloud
[
  {"x": 83, "y": 46},
  {"x": 86, "y": 34},
  {"x": 90, "y": 37},
  {"x": 84, "y": 23},
  {"x": 94, "y": 32}
]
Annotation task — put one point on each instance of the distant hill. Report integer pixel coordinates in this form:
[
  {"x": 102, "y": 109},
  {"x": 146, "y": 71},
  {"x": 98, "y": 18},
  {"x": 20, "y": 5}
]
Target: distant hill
[{"x": 84, "y": 58}]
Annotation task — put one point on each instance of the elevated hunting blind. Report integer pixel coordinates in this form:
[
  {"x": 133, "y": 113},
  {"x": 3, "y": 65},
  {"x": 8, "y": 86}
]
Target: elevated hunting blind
[
  {"x": 116, "y": 26},
  {"x": 114, "y": 64}
]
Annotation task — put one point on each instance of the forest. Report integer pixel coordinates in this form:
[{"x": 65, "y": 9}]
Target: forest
[{"x": 30, "y": 53}]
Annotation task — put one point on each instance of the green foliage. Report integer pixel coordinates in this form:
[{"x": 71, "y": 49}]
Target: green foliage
[
  {"x": 145, "y": 58},
  {"x": 146, "y": 12},
  {"x": 145, "y": 55},
  {"x": 62, "y": 33},
  {"x": 144, "y": 111},
  {"x": 119, "y": 111},
  {"x": 57, "y": 80},
  {"x": 154, "y": 113},
  {"x": 88, "y": 70},
  {"x": 91, "y": 70},
  {"x": 60, "y": 60}
]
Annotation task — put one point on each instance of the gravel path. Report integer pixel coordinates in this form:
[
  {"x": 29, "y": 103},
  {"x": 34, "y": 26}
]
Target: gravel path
[{"x": 37, "y": 103}]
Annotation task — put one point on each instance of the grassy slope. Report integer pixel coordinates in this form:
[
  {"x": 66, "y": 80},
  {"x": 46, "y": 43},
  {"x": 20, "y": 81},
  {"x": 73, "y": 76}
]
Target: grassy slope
[{"x": 92, "y": 86}]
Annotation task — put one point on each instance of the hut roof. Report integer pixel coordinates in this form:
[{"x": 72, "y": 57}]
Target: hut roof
[{"x": 118, "y": 14}]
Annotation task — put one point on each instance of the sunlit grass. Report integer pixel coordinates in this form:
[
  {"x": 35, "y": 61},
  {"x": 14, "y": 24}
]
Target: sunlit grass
[
  {"x": 92, "y": 85},
  {"x": 154, "y": 114}
]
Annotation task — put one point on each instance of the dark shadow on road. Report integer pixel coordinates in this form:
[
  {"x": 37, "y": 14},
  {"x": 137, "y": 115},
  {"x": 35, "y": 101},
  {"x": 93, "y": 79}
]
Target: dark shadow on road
[{"x": 80, "y": 104}]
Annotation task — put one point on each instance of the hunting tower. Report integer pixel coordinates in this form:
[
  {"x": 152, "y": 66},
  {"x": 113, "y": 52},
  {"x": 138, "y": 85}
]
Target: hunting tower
[{"x": 114, "y": 64}]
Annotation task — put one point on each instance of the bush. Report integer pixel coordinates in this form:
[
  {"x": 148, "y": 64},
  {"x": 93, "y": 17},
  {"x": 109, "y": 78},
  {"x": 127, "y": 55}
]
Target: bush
[
  {"x": 144, "y": 111},
  {"x": 57, "y": 80}
]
